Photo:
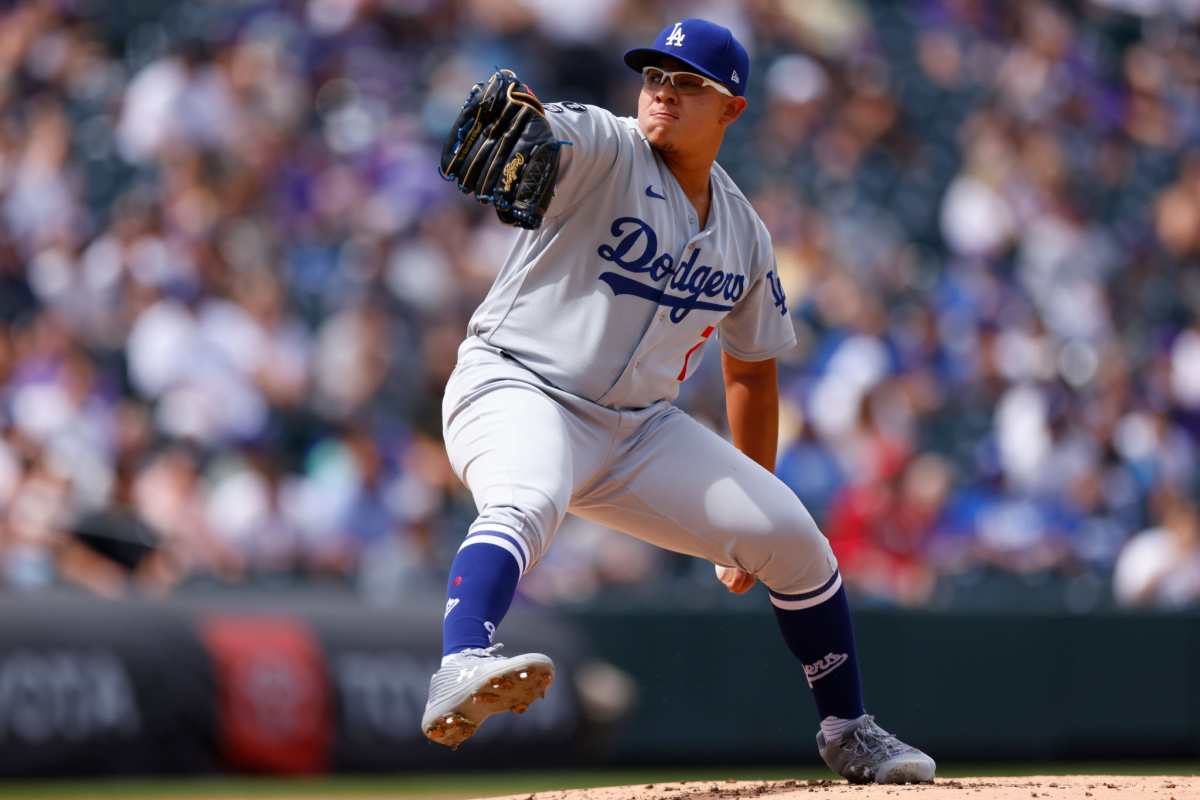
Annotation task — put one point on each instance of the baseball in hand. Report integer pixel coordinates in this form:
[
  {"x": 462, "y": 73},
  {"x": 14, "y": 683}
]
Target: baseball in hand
[{"x": 736, "y": 580}]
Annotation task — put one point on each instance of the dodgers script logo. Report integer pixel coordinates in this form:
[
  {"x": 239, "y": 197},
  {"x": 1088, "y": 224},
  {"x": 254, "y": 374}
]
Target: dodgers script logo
[{"x": 637, "y": 252}]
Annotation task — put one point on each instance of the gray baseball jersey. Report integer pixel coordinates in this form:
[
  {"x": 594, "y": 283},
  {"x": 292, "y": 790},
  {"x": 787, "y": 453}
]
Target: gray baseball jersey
[
  {"x": 614, "y": 298},
  {"x": 560, "y": 401}
]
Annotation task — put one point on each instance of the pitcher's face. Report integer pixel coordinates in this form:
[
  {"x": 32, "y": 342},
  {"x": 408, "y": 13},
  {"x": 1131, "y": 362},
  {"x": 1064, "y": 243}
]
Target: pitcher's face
[{"x": 678, "y": 115}]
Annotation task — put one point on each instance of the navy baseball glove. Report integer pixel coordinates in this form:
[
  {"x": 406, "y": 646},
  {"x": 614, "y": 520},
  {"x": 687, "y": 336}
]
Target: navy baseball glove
[{"x": 503, "y": 150}]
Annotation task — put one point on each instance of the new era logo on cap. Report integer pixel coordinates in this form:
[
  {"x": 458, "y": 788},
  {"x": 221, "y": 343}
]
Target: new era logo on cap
[{"x": 735, "y": 77}]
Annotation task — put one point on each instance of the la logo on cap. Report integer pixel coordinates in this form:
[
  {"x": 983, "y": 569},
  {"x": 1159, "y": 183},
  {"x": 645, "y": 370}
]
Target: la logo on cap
[{"x": 676, "y": 37}]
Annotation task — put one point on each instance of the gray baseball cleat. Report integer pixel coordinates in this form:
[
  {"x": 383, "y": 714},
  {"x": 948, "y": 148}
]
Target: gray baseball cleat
[
  {"x": 867, "y": 753},
  {"x": 474, "y": 684}
]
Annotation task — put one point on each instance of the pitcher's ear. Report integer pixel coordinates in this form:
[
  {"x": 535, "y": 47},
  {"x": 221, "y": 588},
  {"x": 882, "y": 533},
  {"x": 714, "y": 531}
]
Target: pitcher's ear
[{"x": 733, "y": 109}]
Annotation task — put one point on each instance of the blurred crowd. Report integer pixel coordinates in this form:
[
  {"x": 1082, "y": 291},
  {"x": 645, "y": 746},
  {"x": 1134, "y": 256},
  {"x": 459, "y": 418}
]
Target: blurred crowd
[{"x": 232, "y": 286}]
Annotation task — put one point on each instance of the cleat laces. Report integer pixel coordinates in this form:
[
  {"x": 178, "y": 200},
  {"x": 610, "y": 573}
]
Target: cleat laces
[
  {"x": 481, "y": 652},
  {"x": 873, "y": 741}
]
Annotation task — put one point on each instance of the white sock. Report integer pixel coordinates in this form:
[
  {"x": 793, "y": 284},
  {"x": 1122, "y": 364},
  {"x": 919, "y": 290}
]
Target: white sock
[{"x": 832, "y": 727}]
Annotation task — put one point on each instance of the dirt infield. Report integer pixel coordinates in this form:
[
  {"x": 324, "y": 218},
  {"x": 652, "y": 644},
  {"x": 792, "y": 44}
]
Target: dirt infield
[{"x": 1064, "y": 787}]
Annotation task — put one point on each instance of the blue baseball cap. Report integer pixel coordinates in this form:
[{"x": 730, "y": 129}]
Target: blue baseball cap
[{"x": 704, "y": 46}]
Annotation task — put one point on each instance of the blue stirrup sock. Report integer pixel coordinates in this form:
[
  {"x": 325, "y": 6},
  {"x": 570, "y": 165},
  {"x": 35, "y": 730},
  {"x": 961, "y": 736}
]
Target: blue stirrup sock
[
  {"x": 817, "y": 628},
  {"x": 483, "y": 580}
]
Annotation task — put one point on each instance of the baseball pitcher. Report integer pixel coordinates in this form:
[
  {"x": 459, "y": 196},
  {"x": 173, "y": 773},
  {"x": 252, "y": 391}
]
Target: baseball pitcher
[{"x": 637, "y": 254}]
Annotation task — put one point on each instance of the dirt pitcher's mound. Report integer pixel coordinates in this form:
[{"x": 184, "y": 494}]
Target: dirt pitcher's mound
[{"x": 1068, "y": 787}]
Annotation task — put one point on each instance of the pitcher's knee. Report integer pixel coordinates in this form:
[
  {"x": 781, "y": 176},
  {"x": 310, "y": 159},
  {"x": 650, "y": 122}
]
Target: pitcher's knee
[{"x": 797, "y": 558}]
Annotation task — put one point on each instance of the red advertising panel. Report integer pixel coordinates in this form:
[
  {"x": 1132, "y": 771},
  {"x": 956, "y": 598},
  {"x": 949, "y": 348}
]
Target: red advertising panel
[{"x": 273, "y": 696}]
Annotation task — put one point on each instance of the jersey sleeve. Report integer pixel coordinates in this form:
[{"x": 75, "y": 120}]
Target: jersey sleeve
[
  {"x": 595, "y": 143},
  {"x": 759, "y": 326}
]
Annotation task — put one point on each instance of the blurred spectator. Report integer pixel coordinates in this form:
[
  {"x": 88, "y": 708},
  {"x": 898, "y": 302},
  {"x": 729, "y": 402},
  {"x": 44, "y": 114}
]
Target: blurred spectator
[
  {"x": 113, "y": 549},
  {"x": 1160, "y": 567}
]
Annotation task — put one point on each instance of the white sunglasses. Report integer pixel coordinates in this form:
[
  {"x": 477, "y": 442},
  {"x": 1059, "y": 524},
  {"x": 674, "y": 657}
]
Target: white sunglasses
[{"x": 686, "y": 83}]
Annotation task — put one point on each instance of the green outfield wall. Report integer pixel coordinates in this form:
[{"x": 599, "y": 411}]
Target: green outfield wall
[
  {"x": 720, "y": 686},
  {"x": 311, "y": 682}
]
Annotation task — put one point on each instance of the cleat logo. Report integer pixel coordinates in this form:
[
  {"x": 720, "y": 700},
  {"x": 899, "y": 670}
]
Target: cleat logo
[
  {"x": 824, "y": 666},
  {"x": 491, "y": 629},
  {"x": 450, "y": 604},
  {"x": 465, "y": 673}
]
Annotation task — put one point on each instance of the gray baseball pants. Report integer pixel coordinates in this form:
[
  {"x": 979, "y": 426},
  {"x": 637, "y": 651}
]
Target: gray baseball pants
[{"x": 530, "y": 453}]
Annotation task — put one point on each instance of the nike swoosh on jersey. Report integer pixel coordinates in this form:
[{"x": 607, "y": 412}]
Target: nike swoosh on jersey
[{"x": 651, "y": 193}]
